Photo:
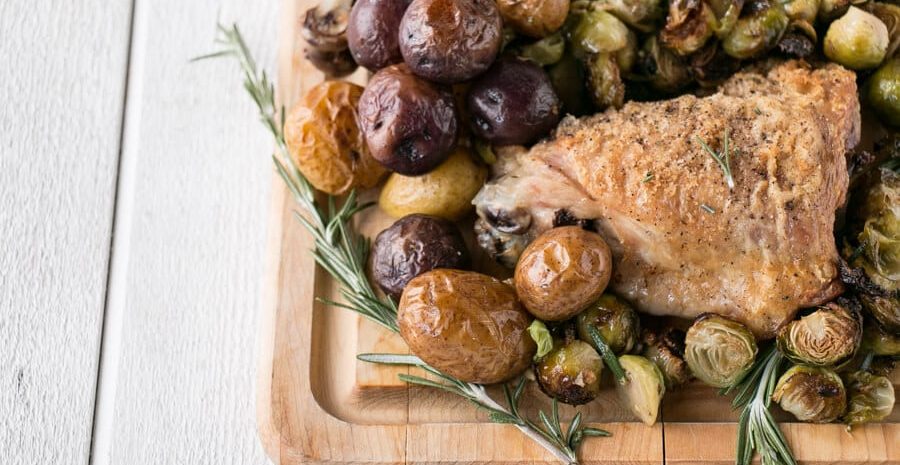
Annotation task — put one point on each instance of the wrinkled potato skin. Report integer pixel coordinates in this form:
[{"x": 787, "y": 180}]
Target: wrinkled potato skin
[
  {"x": 534, "y": 18},
  {"x": 467, "y": 325},
  {"x": 373, "y": 32},
  {"x": 446, "y": 191},
  {"x": 325, "y": 142},
  {"x": 562, "y": 272}
]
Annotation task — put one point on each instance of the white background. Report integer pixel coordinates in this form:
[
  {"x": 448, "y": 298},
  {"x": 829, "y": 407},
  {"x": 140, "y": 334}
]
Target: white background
[{"x": 134, "y": 190}]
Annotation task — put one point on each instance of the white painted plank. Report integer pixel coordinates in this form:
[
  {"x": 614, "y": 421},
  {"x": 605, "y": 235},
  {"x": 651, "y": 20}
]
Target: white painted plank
[
  {"x": 62, "y": 79},
  {"x": 177, "y": 383}
]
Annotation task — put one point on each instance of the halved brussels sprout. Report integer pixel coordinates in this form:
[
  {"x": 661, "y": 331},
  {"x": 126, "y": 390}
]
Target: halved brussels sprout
[
  {"x": 719, "y": 350},
  {"x": 689, "y": 25},
  {"x": 544, "y": 52},
  {"x": 711, "y": 66},
  {"x": 870, "y": 398},
  {"x": 604, "y": 81},
  {"x": 666, "y": 350},
  {"x": 639, "y": 14},
  {"x": 643, "y": 388},
  {"x": 889, "y": 15},
  {"x": 828, "y": 336},
  {"x": 597, "y": 31},
  {"x": 883, "y": 92},
  {"x": 858, "y": 40},
  {"x": 812, "y": 394},
  {"x": 760, "y": 29},
  {"x": 878, "y": 253},
  {"x": 570, "y": 373},
  {"x": 880, "y": 342},
  {"x": 885, "y": 310},
  {"x": 662, "y": 68},
  {"x": 616, "y": 321}
]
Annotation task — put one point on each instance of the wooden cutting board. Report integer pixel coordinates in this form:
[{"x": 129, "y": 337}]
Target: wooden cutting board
[{"x": 316, "y": 403}]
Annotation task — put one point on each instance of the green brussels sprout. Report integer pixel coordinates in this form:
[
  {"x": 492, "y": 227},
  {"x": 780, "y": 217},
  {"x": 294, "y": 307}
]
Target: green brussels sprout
[
  {"x": 885, "y": 310},
  {"x": 544, "y": 52},
  {"x": 858, "y": 40},
  {"x": 870, "y": 398},
  {"x": 666, "y": 350},
  {"x": 689, "y": 26},
  {"x": 643, "y": 388},
  {"x": 719, "y": 350},
  {"x": 570, "y": 372},
  {"x": 812, "y": 394},
  {"x": 802, "y": 10},
  {"x": 828, "y": 336},
  {"x": 614, "y": 319},
  {"x": 889, "y": 15},
  {"x": 662, "y": 68},
  {"x": 726, "y": 13},
  {"x": 757, "y": 32},
  {"x": 627, "y": 56},
  {"x": 604, "y": 81},
  {"x": 883, "y": 92},
  {"x": 597, "y": 31},
  {"x": 639, "y": 14},
  {"x": 567, "y": 77},
  {"x": 711, "y": 66},
  {"x": 878, "y": 252},
  {"x": 880, "y": 342}
]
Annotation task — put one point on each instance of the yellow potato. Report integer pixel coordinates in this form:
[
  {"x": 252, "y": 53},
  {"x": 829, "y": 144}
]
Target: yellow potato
[
  {"x": 447, "y": 191},
  {"x": 325, "y": 142}
]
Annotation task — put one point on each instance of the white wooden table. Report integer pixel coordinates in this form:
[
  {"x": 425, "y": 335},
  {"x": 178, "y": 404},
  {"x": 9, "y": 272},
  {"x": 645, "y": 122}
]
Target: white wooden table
[{"x": 134, "y": 191}]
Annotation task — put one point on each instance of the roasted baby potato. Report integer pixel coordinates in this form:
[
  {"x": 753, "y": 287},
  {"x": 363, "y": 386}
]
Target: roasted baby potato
[
  {"x": 409, "y": 124},
  {"x": 446, "y": 191},
  {"x": 373, "y": 32},
  {"x": 562, "y": 272},
  {"x": 413, "y": 245},
  {"x": 325, "y": 142},
  {"x": 450, "y": 41},
  {"x": 534, "y": 18},
  {"x": 467, "y": 325}
]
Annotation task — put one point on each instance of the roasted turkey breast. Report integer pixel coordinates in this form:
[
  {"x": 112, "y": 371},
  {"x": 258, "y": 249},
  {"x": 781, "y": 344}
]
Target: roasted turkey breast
[{"x": 684, "y": 242}]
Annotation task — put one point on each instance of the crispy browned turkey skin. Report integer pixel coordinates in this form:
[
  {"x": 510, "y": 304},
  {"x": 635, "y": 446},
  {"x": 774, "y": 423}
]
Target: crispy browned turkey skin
[{"x": 683, "y": 242}]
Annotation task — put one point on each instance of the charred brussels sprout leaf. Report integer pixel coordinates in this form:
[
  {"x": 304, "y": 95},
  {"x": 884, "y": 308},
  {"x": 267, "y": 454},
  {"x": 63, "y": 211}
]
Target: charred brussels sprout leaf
[
  {"x": 605, "y": 81},
  {"x": 719, "y": 350},
  {"x": 811, "y": 394},
  {"x": 542, "y": 337},
  {"x": 884, "y": 92},
  {"x": 616, "y": 321},
  {"x": 870, "y": 398},
  {"x": 885, "y": 310},
  {"x": 858, "y": 40},
  {"x": 570, "y": 372},
  {"x": 689, "y": 25},
  {"x": 829, "y": 336},
  {"x": 666, "y": 350},
  {"x": 711, "y": 66},
  {"x": 759, "y": 30},
  {"x": 643, "y": 388}
]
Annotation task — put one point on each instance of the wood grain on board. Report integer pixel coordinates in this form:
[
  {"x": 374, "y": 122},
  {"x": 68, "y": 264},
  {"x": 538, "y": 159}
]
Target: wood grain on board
[
  {"x": 317, "y": 403},
  {"x": 62, "y": 82}
]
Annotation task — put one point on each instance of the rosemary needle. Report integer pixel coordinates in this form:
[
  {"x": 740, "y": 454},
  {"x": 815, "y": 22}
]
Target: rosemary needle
[{"x": 723, "y": 159}]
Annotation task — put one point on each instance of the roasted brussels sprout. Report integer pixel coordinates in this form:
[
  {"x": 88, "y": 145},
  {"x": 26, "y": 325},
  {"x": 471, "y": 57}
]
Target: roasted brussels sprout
[
  {"x": 883, "y": 92},
  {"x": 662, "y": 68},
  {"x": 889, "y": 14},
  {"x": 324, "y": 140},
  {"x": 450, "y": 41},
  {"x": 758, "y": 30},
  {"x": 880, "y": 342},
  {"x": 513, "y": 103},
  {"x": 689, "y": 25},
  {"x": 446, "y": 191},
  {"x": 858, "y": 40},
  {"x": 467, "y": 325},
  {"x": 875, "y": 234},
  {"x": 802, "y": 10},
  {"x": 410, "y": 124},
  {"x": 828, "y": 336},
  {"x": 615, "y": 320},
  {"x": 413, "y": 245},
  {"x": 642, "y": 15},
  {"x": 627, "y": 56},
  {"x": 570, "y": 373},
  {"x": 597, "y": 31},
  {"x": 562, "y": 272},
  {"x": 534, "y": 18},
  {"x": 605, "y": 81},
  {"x": 829, "y": 10},
  {"x": 711, "y": 66},
  {"x": 666, "y": 349},
  {"x": 568, "y": 79},
  {"x": 373, "y": 32},
  {"x": 719, "y": 350},
  {"x": 811, "y": 394},
  {"x": 885, "y": 310},
  {"x": 870, "y": 398},
  {"x": 643, "y": 388},
  {"x": 544, "y": 52},
  {"x": 325, "y": 26}
]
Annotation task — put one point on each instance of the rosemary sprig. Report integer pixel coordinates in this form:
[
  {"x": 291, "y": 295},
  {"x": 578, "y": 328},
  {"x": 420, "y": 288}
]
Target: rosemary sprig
[
  {"x": 723, "y": 158},
  {"x": 563, "y": 442},
  {"x": 757, "y": 430},
  {"x": 609, "y": 357},
  {"x": 342, "y": 251}
]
